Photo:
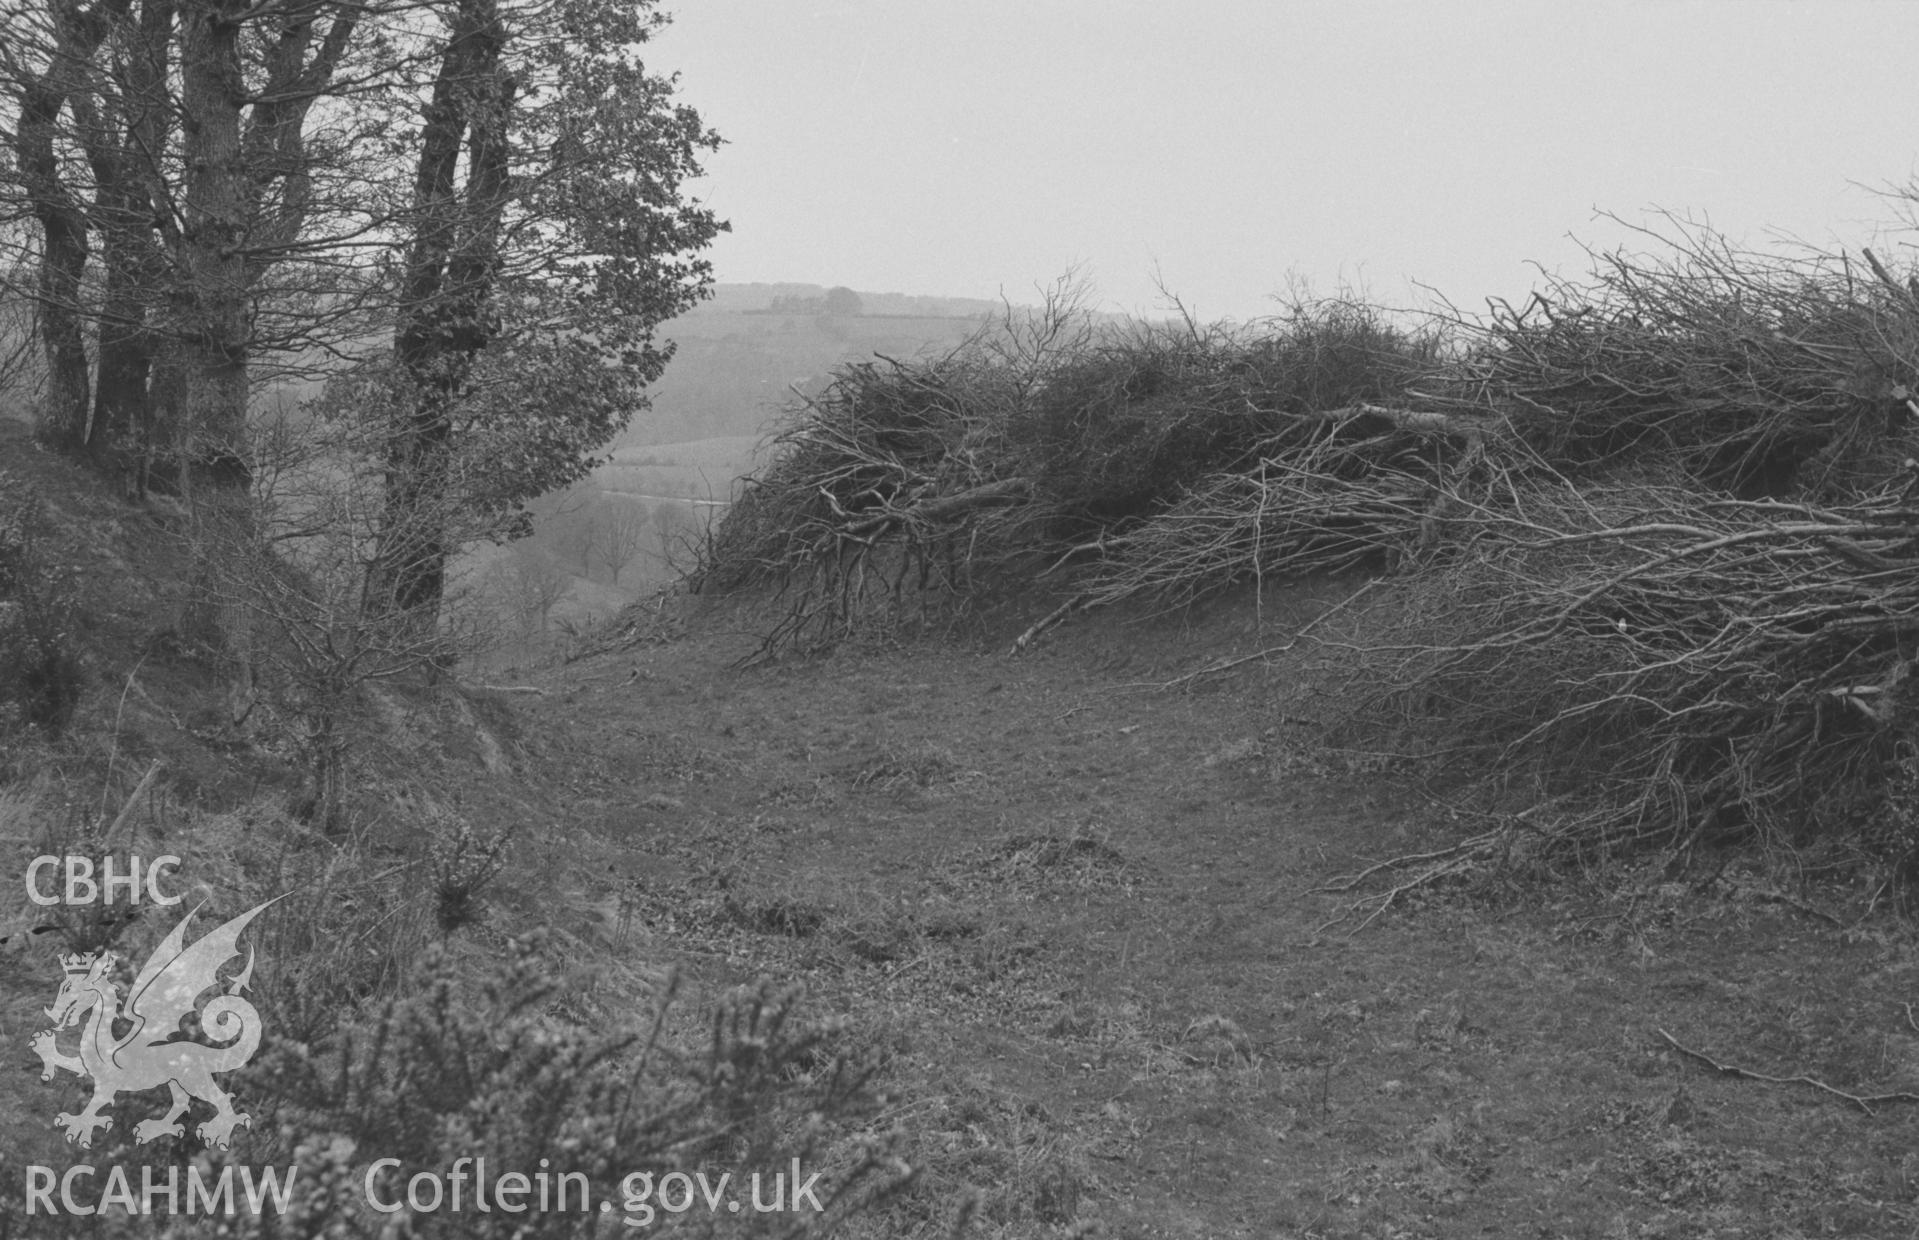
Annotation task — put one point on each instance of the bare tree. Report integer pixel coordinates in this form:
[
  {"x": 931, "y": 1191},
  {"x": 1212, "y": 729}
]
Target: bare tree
[
  {"x": 529, "y": 583},
  {"x": 575, "y": 530},
  {"x": 673, "y": 522},
  {"x": 623, "y": 524},
  {"x": 172, "y": 142}
]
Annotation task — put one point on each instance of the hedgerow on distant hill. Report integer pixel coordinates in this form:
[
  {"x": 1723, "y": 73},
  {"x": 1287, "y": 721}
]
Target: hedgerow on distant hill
[{"x": 1654, "y": 535}]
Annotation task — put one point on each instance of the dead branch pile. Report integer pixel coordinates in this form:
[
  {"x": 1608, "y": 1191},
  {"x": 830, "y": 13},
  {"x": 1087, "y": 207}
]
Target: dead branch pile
[
  {"x": 1752, "y": 373},
  {"x": 1695, "y": 666},
  {"x": 1658, "y": 535},
  {"x": 890, "y": 482},
  {"x": 1358, "y": 487},
  {"x": 926, "y": 486},
  {"x": 1127, "y": 424}
]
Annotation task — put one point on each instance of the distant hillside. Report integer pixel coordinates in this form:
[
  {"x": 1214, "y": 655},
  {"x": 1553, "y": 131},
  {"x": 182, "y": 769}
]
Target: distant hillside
[
  {"x": 737, "y": 363},
  {"x": 730, "y": 299},
  {"x": 699, "y": 471}
]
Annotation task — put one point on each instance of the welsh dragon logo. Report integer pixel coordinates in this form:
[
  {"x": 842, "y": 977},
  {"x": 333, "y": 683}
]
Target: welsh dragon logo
[{"x": 155, "y": 1051}]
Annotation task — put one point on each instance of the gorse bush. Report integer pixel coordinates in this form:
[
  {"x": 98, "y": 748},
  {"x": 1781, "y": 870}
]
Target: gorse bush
[
  {"x": 447, "y": 1072},
  {"x": 384, "y": 1040},
  {"x": 463, "y": 865}
]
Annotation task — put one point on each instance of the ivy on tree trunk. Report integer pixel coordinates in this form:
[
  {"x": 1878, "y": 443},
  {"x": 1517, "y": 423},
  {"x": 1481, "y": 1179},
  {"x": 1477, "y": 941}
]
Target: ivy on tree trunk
[{"x": 445, "y": 307}]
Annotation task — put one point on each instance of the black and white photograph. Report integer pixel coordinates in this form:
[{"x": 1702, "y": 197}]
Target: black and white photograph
[{"x": 1268, "y": 619}]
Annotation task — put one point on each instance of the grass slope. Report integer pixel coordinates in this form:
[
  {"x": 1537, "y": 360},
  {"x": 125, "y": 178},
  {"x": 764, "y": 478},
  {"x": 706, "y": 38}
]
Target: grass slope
[{"x": 1070, "y": 912}]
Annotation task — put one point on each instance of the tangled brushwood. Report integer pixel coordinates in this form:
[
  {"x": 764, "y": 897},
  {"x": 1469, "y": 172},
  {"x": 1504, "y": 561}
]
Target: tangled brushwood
[
  {"x": 1050, "y": 450},
  {"x": 1651, "y": 543},
  {"x": 1691, "y": 667},
  {"x": 1749, "y": 373}
]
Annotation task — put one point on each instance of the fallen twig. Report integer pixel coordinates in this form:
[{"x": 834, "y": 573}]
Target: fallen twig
[
  {"x": 1386, "y": 899},
  {"x": 1780, "y": 897},
  {"x": 1863, "y": 1101},
  {"x": 1058, "y": 614},
  {"x": 1226, "y": 665},
  {"x": 1339, "y": 886}
]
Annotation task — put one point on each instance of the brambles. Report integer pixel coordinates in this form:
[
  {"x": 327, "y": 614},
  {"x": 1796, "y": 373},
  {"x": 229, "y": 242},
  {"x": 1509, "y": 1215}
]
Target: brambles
[{"x": 296, "y": 578}]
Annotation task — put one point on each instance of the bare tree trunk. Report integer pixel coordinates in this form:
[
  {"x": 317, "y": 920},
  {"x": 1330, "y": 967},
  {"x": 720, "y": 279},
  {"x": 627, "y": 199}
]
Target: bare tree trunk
[
  {"x": 120, "y": 411},
  {"x": 211, "y": 269},
  {"x": 211, "y": 315},
  {"x": 62, "y": 424},
  {"x": 131, "y": 273},
  {"x": 120, "y": 437},
  {"x": 166, "y": 403},
  {"x": 63, "y": 258}
]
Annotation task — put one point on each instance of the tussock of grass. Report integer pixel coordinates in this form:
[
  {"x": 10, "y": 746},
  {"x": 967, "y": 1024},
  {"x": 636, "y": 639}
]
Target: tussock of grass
[
  {"x": 921, "y": 765},
  {"x": 1024, "y": 864}
]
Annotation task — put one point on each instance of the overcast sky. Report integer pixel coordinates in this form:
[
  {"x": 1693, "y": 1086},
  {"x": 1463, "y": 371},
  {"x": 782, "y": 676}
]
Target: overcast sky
[{"x": 965, "y": 147}]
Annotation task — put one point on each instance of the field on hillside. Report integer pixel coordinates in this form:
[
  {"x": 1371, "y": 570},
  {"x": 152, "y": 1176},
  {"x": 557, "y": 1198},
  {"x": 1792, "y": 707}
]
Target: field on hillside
[
  {"x": 704, "y": 469},
  {"x": 735, "y": 365}
]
